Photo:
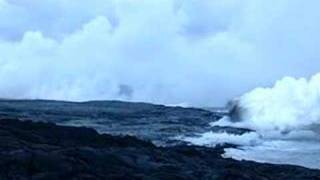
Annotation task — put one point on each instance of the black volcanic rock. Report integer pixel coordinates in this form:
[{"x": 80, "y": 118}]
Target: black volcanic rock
[
  {"x": 230, "y": 130},
  {"x": 30, "y": 150},
  {"x": 157, "y": 123}
]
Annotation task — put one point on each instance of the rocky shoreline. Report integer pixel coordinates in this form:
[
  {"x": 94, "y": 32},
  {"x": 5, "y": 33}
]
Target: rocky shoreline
[{"x": 38, "y": 150}]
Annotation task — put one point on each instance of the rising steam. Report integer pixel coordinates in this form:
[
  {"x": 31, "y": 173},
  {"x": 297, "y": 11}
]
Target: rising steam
[
  {"x": 285, "y": 124},
  {"x": 200, "y": 53},
  {"x": 291, "y": 104}
]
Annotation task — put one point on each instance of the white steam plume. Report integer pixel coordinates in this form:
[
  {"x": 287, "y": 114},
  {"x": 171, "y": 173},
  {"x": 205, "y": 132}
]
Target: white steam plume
[
  {"x": 285, "y": 124},
  {"x": 292, "y": 104},
  {"x": 164, "y": 51}
]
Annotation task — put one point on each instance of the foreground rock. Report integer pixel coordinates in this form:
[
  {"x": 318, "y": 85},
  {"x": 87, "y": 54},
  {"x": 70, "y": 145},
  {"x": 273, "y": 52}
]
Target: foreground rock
[{"x": 30, "y": 150}]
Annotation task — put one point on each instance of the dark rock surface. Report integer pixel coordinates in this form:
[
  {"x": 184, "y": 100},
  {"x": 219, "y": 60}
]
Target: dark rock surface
[
  {"x": 157, "y": 123},
  {"x": 30, "y": 150},
  {"x": 230, "y": 130}
]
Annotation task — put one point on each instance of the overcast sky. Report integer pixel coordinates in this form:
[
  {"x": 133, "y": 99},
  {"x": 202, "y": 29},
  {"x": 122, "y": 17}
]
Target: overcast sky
[{"x": 197, "y": 52}]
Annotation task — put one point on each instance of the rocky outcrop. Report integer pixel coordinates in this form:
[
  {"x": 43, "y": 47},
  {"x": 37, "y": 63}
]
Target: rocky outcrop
[
  {"x": 157, "y": 123},
  {"x": 30, "y": 150}
]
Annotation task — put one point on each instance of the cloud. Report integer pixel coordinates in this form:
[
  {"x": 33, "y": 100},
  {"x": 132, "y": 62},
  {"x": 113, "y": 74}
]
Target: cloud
[{"x": 164, "y": 51}]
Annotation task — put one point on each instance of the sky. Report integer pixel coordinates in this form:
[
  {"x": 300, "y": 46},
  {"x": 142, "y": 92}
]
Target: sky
[{"x": 191, "y": 52}]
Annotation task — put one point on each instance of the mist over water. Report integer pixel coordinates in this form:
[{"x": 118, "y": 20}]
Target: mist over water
[{"x": 200, "y": 53}]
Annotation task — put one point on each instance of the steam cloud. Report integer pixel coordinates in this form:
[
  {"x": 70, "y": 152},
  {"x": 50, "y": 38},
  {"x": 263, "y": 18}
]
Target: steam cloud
[
  {"x": 285, "y": 124},
  {"x": 292, "y": 104},
  {"x": 164, "y": 51}
]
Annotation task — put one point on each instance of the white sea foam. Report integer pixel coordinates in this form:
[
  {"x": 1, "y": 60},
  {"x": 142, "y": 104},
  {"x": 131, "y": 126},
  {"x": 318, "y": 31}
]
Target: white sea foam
[
  {"x": 305, "y": 153},
  {"x": 212, "y": 139}
]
